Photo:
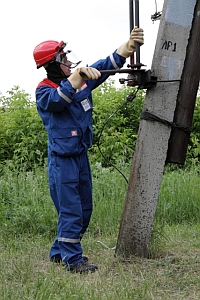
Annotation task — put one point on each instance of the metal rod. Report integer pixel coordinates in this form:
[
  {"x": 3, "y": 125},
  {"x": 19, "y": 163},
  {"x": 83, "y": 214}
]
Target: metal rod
[
  {"x": 137, "y": 17},
  {"x": 137, "y": 23},
  {"x": 131, "y": 15},
  {"x": 113, "y": 72},
  {"x": 132, "y": 25}
]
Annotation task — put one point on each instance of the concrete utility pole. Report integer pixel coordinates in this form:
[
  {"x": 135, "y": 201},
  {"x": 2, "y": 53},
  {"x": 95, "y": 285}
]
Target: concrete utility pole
[{"x": 177, "y": 51}]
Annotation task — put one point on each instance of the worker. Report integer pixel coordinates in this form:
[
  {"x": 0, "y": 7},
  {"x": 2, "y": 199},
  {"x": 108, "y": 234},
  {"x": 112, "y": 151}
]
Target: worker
[{"x": 64, "y": 103}]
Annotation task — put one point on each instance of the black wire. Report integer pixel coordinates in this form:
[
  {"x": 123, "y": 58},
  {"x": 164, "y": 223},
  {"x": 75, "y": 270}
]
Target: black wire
[
  {"x": 129, "y": 99},
  {"x": 176, "y": 80},
  {"x": 98, "y": 142}
]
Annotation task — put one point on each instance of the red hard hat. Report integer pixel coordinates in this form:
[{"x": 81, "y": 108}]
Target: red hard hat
[{"x": 47, "y": 51}]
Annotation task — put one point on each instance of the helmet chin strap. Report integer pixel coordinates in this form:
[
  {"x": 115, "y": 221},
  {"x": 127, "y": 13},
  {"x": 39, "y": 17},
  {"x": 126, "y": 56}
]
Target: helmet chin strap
[{"x": 54, "y": 72}]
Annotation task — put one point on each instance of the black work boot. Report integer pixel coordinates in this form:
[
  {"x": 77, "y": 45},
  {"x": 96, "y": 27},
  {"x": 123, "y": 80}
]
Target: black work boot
[
  {"x": 85, "y": 258},
  {"x": 58, "y": 260},
  {"x": 83, "y": 267}
]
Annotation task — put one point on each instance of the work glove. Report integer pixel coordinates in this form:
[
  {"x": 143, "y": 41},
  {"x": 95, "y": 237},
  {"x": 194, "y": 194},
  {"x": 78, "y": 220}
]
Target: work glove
[
  {"x": 84, "y": 73},
  {"x": 128, "y": 48}
]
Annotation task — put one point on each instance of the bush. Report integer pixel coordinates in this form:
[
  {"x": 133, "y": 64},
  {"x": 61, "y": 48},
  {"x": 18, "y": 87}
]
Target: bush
[
  {"x": 115, "y": 123},
  {"x": 24, "y": 139},
  {"x": 22, "y": 136},
  {"x": 194, "y": 144}
]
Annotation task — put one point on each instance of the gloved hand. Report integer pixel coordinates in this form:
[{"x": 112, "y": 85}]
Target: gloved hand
[
  {"x": 84, "y": 73},
  {"x": 128, "y": 48}
]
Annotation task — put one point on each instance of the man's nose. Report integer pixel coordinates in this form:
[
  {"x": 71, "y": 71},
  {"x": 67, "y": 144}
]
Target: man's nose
[{"x": 69, "y": 63}]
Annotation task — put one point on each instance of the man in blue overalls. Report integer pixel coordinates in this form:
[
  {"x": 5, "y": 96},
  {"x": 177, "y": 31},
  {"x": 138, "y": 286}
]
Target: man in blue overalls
[{"x": 64, "y": 102}]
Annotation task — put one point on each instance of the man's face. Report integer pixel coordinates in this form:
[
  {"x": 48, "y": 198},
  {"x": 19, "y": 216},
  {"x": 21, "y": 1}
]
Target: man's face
[
  {"x": 66, "y": 68},
  {"x": 65, "y": 64}
]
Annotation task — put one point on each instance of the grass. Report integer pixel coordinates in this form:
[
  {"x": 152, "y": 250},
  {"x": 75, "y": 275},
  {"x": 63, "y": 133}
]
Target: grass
[
  {"x": 26, "y": 272},
  {"x": 179, "y": 198},
  {"x": 28, "y": 226}
]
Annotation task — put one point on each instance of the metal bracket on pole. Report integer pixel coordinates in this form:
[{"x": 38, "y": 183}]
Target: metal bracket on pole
[
  {"x": 156, "y": 16},
  {"x": 138, "y": 76}
]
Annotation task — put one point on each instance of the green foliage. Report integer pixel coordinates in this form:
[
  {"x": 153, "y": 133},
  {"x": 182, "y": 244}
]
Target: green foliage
[
  {"x": 115, "y": 123},
  {"x": 26, "y": 206},
  {"x": 24, "y": 139},
  {"x": 194, "y": 144},
  {"x": 22, "y": 136},
  {"x": 179, "y": 198},
  {"x": 28, "y": 228}
]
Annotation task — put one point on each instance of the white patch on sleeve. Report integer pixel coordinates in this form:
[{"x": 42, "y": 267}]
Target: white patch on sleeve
[
  {"x": 63, "y": 95},
  {"x": 113, "y": 62}
]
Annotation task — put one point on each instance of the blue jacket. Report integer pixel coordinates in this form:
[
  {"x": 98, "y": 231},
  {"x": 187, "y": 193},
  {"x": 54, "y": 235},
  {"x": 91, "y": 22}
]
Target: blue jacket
[{"x": 67, "y": 113}]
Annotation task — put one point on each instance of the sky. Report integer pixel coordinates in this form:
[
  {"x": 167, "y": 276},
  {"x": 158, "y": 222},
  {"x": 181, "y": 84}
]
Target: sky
[{"x": 93, "y": 28}]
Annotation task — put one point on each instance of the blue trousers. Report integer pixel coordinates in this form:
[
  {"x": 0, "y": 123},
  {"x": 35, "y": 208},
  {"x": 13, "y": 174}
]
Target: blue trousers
[{"x": 71, "y": 191}]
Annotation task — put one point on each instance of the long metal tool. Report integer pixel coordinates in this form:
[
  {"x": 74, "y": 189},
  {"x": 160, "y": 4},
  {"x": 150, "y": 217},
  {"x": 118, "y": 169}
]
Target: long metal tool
[
  {"x": 134, "y": 21},
  {"x": 137, "y": 23},
  {"x": 132, "y": 25},
  {"x": 136, "y": 75}
]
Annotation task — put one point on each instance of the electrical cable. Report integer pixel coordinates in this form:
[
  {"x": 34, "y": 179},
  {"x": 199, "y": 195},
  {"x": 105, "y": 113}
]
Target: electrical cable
[
  {"x": 175, "y": 80},
  {"x": 130, "y": 98},
  {"x": 98, "y": 144}
]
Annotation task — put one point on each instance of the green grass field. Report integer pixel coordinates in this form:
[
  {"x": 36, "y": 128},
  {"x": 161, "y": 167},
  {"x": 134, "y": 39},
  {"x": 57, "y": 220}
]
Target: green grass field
[{"x": 28, "y": 226}]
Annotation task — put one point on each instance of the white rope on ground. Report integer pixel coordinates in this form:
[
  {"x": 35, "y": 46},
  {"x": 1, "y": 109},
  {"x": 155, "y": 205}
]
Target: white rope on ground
[{"x": 113, "y": 248}]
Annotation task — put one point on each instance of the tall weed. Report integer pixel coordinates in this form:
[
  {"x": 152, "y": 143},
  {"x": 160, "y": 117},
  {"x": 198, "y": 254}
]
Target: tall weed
[
  {"x": 26, "y": 206},
  {"x": 179, "y": 198}
]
